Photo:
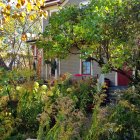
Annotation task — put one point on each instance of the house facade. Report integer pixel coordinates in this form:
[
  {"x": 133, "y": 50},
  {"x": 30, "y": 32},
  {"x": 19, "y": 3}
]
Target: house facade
[{"x": 73, "y": 64}]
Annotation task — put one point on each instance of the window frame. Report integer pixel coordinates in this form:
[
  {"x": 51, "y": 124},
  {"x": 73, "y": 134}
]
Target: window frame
[{"x": 89, "y": 73}]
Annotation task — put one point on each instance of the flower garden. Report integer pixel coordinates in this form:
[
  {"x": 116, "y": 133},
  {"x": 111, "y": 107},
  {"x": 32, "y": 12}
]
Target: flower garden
[{"x": 65, "y": 109}]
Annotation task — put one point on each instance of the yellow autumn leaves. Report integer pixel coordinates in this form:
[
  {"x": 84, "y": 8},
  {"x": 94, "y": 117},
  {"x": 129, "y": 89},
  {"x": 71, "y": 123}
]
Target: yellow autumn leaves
[
  {"x": 22, "y": 11},
  {"x": 23, "y": 7},
  {"x": 24, "y": 37}
]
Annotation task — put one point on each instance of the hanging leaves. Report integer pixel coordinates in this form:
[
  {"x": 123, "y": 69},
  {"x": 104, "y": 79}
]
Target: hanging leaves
[
  {"x": 107, "y": 29},
  {"x": 24, "y": 37},
  {"x": 29, "y": 7},
  {"x": 2, "y": 5},
  {"x": 18, "y": 5},
  {"x": 16, "y": 9}
]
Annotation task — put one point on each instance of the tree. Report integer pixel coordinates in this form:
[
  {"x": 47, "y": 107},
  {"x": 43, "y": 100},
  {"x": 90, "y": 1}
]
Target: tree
[
  {"x": 18, "y": 19},
  {"x": 106, "y": 31}
]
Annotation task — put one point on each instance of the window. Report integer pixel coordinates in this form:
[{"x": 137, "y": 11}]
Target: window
[{"x": 86, "y": 67}]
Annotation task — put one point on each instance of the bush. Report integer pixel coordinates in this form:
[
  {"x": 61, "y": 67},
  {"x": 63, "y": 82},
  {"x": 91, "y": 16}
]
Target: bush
[
  {"x": 84, "y": 92},
  {"x": 117, "y": 122},
  {"x": 60, "y": 120},
  {"x": 18, "y": 115},
  {"x": 65, "y": 111},
  {"x": 62, "y": 105}
]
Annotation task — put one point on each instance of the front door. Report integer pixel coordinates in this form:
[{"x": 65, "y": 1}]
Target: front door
[{"x": 123, "y": 80}]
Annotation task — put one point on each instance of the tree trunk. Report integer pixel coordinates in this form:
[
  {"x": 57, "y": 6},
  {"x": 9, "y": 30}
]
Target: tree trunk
[
  {"x": 11, "y": 63},
  {"x": 2, "y": 64}
]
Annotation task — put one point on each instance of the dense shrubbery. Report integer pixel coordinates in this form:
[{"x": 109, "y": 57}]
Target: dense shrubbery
[
  {"x": 126, "y": 116},
  {"x": 28, "y": 109},
  {"x": 119, "y": 121},
  {"x": 18, "y": 115},
  {"x": 65, "y": 111},
  {"x": 61, "y": 120},
  {"x": 60, "y": 111},
  {"x": 19, "y": 106}
]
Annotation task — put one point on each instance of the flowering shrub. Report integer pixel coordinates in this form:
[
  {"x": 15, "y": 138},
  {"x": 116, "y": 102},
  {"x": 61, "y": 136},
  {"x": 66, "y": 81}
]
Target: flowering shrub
[
  {"x": 18, "y": 115},
  {"x": 29, "y": 106},
  {"x": 81, "y": 92},
  {"x": 56, "y": 111},
  {"x": 66, "y": 105}
]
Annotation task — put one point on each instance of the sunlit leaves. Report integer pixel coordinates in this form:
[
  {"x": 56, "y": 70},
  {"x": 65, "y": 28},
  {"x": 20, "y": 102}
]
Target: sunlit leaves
[
  {"x": 24, "y": 37},
  {"x": 2, "y": 5},
  {"x": 18, "y": 5},
  {"x": 18, "y": 19},
  {"x": 106, "y": 29},
  {"x": 15, "y": 9},
  {"x": 29, "y": 7},
  {"x": 32, "y": 16}
]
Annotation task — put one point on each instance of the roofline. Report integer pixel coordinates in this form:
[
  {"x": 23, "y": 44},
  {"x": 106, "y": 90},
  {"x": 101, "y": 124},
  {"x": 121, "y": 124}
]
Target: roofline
[{"x": 53, "y": 3}]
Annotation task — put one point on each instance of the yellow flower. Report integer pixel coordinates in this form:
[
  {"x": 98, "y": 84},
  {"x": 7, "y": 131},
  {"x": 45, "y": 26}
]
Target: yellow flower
[
  {"x": 6, "y": 113},
  {"x": 104, "y": 85},
  {"x": 18, "y": 88},
  {"x": 44, "y": 87},
  {"x": 69, "y": 89},
  {"x": 50, "y": 93},
  {"x": 36, "y": 85}
]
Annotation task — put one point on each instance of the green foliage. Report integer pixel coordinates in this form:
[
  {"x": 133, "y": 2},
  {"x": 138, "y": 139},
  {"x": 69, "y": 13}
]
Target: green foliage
[
  {"x": 106, "y": 30},
  {"x": 97, "y": 124},
  {"x": 119, "y": 121},
  {"x": 65, "y": 109},
  {"x": 81, "y": 92},
  {"x": 62, "y": 105},
  {"x": 7, "y": 123},
  {"x": 61, "y": 120},
  {"x": 126, "y": 116},
  {"x": 17, "y": 137},
  {"x": 18, "y": 114},
  {"x": 60, "y": 29},
  {"x": 59, "y": 111},
  {"x": 15, "y": 77},
  {"x": 10, "y": 79},
  {"x": 84, "y": 93},
  {"x": 30, "y": 104}
]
